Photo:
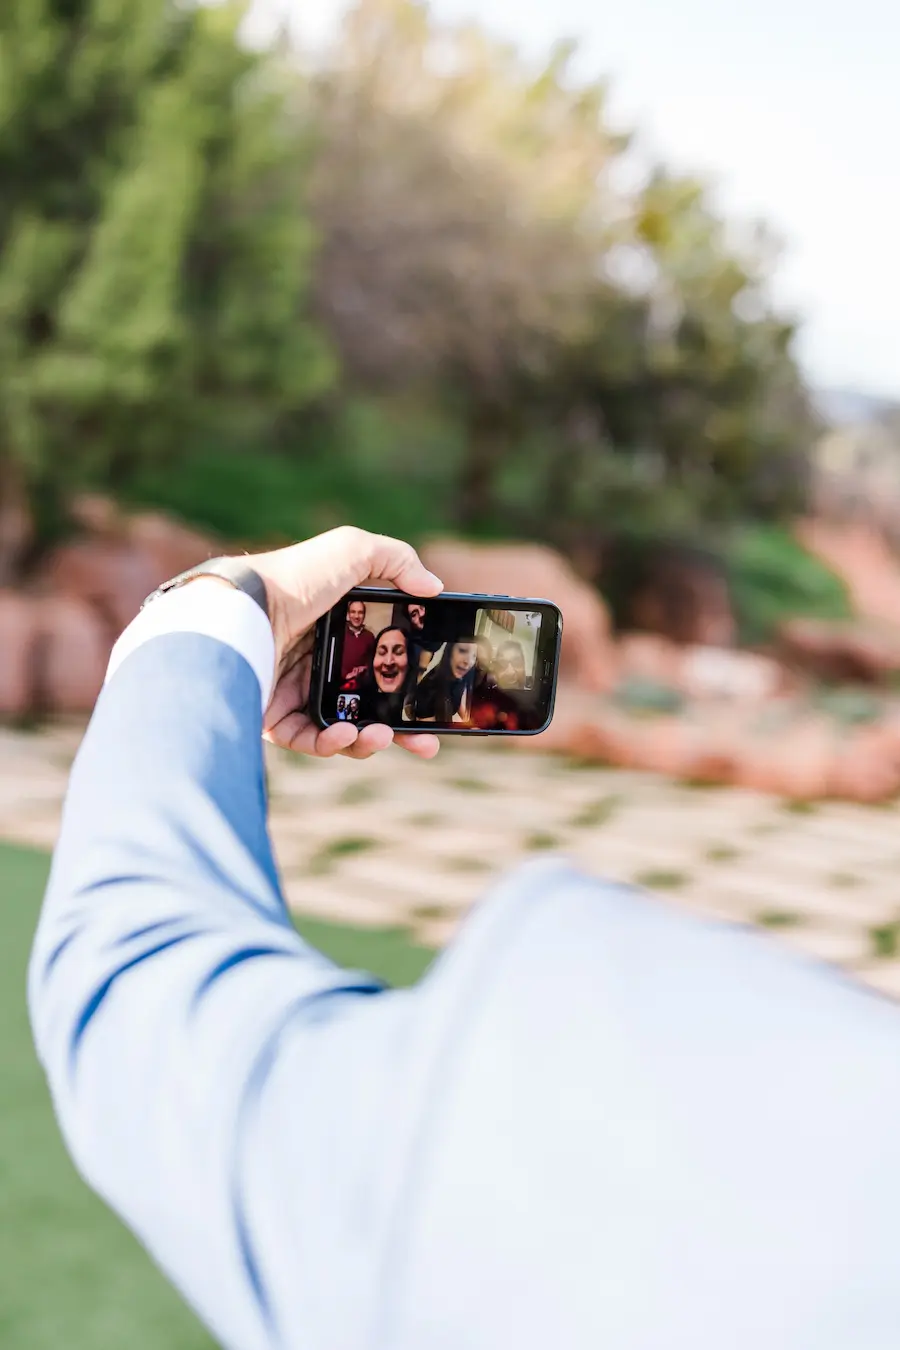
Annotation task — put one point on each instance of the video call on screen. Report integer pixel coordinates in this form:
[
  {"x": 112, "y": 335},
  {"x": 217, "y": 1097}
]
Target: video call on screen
[{"x": 446, "y": 662}]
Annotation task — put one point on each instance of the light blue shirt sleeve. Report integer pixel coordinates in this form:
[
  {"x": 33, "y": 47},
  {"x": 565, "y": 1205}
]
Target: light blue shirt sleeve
[{"x": 213, "y": 1075}]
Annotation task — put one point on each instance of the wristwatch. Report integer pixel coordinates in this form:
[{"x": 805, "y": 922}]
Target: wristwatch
[{"x": 233, "y": 570}]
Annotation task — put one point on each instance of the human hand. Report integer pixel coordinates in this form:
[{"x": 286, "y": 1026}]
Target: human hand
[{"x": 302, "y": 583}]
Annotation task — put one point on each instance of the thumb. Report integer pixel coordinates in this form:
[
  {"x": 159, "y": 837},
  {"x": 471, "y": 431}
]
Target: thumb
[{"x": 313, "y": 576}]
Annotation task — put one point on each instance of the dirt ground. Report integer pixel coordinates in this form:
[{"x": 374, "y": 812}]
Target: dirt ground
[{"x": 398, "y": 843}]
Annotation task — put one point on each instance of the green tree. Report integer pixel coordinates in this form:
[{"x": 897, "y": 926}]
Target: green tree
[
  {"x": 681, "y": 405},
  {"x": 155, "y": 251},
  {"x": 463, "y": 201},
  {"x": 611, "y": 352}
]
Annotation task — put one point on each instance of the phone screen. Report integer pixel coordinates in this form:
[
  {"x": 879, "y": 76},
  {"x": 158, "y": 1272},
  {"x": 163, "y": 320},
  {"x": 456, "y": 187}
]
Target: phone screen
[{"x": 485, "y": 664}]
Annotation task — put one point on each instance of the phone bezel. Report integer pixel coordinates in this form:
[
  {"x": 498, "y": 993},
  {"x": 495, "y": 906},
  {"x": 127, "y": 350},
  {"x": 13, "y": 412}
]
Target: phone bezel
[{"x": 546, "y": 662}]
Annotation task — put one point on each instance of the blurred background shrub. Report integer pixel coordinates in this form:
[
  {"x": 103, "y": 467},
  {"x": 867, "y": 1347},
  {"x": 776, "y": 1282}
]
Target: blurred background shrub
[
  {"x": 773, "y": 577},
  {"x": 413, "y": 282}
]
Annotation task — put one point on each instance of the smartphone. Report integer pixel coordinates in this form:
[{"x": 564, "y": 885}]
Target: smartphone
[{"x": 483, "y": 665}]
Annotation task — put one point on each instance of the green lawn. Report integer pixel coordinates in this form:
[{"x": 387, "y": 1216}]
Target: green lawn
[{"x": 71, "y": 1278}]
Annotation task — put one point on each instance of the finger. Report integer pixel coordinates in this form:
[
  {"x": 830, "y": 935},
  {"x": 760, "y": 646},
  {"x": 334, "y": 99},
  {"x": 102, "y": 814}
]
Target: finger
[
  {"x": 335, "y": 740},
  {"x": 324, "y": 569},
  {"x": 398, "y": 564},
  {"x": 283, "y": 717},
  {"x": 291, "y": 693},
  {"x": 286, "y": 732},
  {"x": 301, "y": 735},
  {"x": 371, "y": 740},
  {"x": 421, "y": 744}
]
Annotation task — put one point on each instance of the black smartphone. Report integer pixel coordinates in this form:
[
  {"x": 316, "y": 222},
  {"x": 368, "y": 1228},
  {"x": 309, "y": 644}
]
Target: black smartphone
[{"x": 476, "y": 664}]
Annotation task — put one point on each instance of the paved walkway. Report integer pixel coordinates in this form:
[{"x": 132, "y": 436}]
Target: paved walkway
[{"x": 397, "y": 843}]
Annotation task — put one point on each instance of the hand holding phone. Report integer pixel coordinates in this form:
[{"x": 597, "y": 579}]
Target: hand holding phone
[{"x": 481, "y": 664}]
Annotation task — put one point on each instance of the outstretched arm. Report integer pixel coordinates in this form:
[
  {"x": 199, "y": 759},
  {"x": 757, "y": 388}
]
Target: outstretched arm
[{"x": 201, "y": 1057}]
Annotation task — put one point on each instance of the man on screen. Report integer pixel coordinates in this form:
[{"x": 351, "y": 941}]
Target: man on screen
[
  {"x": 509, "y": 665},
  {"x": 359, "y": 643}
]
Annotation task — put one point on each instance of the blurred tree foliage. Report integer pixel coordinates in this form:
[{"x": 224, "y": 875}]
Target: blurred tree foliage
[
  {"x": 189, "y": 229},
  {"x": 463, "y": 203},
  {"x": 154, "y": 249},
  {"x": 610, "y": 352}
]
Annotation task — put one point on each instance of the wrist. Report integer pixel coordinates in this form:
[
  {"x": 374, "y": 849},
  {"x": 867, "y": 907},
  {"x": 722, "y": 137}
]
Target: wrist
[
  {"x": 217, "y": 609},
  {"x": 279, "y": 618},
  {"x": 234, "y": 572},
  {"x": 278, "y": 604}
]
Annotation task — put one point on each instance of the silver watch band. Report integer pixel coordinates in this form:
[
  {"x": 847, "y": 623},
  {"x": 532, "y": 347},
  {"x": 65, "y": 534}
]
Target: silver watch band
[{"x": 233, "y": 570}]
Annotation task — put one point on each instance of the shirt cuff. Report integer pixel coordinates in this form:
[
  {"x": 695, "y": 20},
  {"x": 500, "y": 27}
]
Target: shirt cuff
[{"x": 215, "y": 610}]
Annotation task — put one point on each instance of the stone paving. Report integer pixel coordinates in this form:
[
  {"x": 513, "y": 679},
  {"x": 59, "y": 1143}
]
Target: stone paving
[{"x": 397, "y": 843}]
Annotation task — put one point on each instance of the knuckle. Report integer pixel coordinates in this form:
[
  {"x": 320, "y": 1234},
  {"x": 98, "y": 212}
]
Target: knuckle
[{"x": 351, "y": 535}]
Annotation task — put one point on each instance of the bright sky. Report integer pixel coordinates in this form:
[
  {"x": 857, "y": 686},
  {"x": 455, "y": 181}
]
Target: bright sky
[{"x": 791, "y": 106}]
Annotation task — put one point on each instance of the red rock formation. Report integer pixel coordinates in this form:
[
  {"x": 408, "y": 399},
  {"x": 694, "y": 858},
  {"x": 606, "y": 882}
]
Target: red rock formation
[
  {"x": 171, "y": 546},
  {"x": 864, "y": 561},
  {"x": 700, "y": 672},
  {"x": 73, "y": 649},
  {"x": 110, "y": 575},
  {"x": 675, "y": 590},
  {"x": 854, "y": 651},
  {"x": 18, "y": 633},
  {"x": 121, "y": 559}
]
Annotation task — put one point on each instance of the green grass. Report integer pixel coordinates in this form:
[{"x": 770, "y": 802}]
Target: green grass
[
  {"x": 722, "y": 853},
  {"x": 470, "y": 785},
  {"x": 386, "y": 952},
  {"x": 886, "y": 940},
  {"x": 428, "y": 912},
  {"x": 581, "y": 763},
  {"x": 464, "y": 862},
  {"x": 778, "y": 918},
  {"x": 541, "y": 839},
  {"x": 355, "y": 794},
  {"x": 597, "y": 813},
  {"x": 70, "y": 1275},
  {"x": 799, "y": 806},
  {"x": 347, "y": 846},
  {"x": 661, "y": 879}
]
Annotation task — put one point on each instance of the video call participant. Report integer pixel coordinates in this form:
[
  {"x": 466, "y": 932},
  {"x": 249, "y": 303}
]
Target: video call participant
[
  {"x": 509, "y": 665},
  {"x": 415, "y": 617},
  {"x": 493, "y": 709},
  {"x": 348, "y": 707},
  {"x": 359, "y": 643},
  {"x": 412, "y": 615},
  {"x": 428, "y": 626},
  {"x": 445, "y": 694},
  {"x": 385, "y": 687}
]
